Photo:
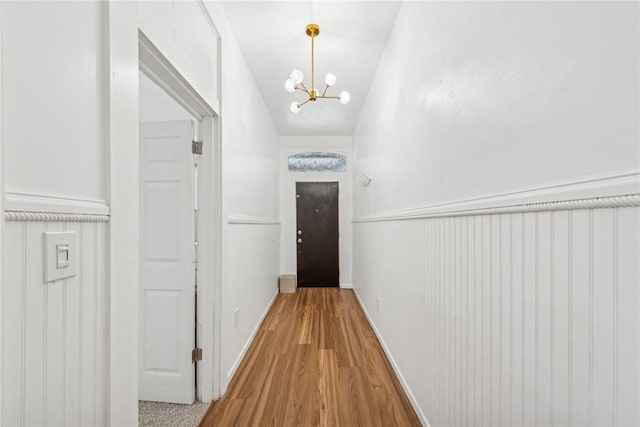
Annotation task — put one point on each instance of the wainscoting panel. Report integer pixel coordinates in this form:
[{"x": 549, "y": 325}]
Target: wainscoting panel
[
  {"x": 520, "y": 318},
  {"x": 252, "y": 268},
  {"x": 54, "y": 338}
]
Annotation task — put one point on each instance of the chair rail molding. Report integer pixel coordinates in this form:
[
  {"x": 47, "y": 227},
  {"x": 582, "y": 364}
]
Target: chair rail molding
[
  {"x": 22, "y": 216},
  {"x": 620, "y": 190},
  {"x": 23, "y": 201},
  {"x": 247, "y": 219}
]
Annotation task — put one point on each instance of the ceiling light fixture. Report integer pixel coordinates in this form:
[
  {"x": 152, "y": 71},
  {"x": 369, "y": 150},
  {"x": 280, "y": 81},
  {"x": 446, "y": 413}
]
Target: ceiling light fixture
[{"x": 295, "y": 79}]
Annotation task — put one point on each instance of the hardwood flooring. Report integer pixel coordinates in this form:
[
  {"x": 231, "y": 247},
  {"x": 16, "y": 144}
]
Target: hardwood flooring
[{"x": 315, "y": 361}]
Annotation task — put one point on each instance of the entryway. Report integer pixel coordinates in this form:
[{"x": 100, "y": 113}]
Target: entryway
[
  {"x": 317, "y": 234},
  {"x": 180, "y": 221},
  {"x": 168, "y": 257}
]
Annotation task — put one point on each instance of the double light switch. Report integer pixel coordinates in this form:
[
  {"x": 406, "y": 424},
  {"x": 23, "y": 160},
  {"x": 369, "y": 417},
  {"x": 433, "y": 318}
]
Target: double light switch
[{"x": 60, "y": 255}]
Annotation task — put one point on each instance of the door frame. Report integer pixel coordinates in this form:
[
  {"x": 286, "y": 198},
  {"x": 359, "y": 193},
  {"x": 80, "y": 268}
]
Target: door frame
[
  {"x": 296, "y": 145},
  {"x": 129, "y": 51},
  {"x": 158, "y": 68},
  {"x": 1, "y": 204}
]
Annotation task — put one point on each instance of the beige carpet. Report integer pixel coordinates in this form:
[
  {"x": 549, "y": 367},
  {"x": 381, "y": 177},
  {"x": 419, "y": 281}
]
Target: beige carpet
[{"x": 168, "y": 414}]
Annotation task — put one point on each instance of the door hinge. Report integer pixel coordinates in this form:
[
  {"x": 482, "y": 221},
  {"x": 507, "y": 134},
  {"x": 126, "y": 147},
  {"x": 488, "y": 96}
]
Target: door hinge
[
  {"x": 196, "y": 355},
  {"x": 196, "y": 147}
]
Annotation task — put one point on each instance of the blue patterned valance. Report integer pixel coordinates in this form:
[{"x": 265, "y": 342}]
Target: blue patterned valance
[{"x": 317, "y": 162}]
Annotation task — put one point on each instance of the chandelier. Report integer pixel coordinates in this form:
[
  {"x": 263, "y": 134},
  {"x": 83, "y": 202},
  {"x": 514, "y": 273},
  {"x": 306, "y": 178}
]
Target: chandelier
[{"x": 295, "y": 79}]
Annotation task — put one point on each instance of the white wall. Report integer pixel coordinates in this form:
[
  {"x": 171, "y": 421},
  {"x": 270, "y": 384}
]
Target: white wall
[
  {"x": 157, "y": 105},
  {"x": 497, "y": 309},
  {"x": 70, "y": 92},
  {"x": 54, "y": 337},
  {"x": 185, "y": 35},
  {"x": 501, "y": 97},
  {"x": 55, "y": 96},
  {"x": 300, "y": 144},
  {"x": 250, "y": 168}
]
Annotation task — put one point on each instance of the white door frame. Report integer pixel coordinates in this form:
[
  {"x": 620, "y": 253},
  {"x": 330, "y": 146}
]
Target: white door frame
[
  {"x": 159, "y": 69},
  {"x": 130, "y": 50},
  {"x": 1, "y": 205}
]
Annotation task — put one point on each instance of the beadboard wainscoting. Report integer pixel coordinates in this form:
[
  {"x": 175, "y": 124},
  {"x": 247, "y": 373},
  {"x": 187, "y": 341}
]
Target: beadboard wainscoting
[
  {"x": 512, "y": 317},
  {"x": 54, "y": 336},
  {"x": 253, "y": 259}
]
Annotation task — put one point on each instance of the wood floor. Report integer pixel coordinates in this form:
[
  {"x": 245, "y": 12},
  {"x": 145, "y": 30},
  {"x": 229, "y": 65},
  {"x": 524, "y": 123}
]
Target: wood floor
[{"x": 314, "y": 362}]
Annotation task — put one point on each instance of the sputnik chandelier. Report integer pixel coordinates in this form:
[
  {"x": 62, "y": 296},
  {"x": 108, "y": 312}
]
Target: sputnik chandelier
[{"x": 295, "y": 79}]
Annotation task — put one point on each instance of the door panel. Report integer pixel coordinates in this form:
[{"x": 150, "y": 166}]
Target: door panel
[
  {"x": 317, "y": 233},
  {"x": 167, "y": 272}
]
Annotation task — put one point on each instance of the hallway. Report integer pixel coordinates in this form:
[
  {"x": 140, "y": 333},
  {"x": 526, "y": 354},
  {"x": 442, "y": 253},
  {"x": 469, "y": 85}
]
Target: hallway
[
  {"x": 480, "y": 172},
  {"x": 315, "y": 361}
]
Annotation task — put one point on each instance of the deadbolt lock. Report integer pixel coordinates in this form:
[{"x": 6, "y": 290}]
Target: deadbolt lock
[
  {"x": 299, "y": 240},
  {"x": 299, "y": 232}
]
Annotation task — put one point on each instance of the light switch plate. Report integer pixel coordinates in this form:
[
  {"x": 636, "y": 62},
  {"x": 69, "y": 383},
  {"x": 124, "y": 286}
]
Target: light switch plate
[{"x": 60, "y": 255}]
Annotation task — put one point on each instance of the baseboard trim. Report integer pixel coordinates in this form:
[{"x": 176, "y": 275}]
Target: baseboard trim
[
  {"x": 346, "y": 286},
  {"x": 620, "y": 190},
  {"x": 247, "y": 344},
  {"x": 396, "y": 369},
  {"x": 250, "y": 220}
]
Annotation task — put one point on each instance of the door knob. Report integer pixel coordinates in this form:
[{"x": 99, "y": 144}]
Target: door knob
[{"x": 299, "y": 240}]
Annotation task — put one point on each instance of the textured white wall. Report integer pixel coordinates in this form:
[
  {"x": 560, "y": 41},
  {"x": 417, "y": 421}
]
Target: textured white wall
[
  {"x": 485, "y": 98},
  {"x": 510, "y": 319},
  {"x": 526, "y": 318},
  {"x": 55, "y": 341}
]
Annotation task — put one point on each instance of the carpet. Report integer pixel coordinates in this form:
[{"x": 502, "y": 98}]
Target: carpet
[{"x": 169, "y": 414}]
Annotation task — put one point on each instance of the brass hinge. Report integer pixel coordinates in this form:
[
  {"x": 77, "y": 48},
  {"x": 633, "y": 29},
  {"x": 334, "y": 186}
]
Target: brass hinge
[
  {"x": 196, "y": 147},
  {"x": 196, "y": 355}
]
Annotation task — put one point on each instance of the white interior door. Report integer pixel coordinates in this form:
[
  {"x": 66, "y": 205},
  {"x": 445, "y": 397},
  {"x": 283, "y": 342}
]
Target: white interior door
[{"x": 167, "y": 309}]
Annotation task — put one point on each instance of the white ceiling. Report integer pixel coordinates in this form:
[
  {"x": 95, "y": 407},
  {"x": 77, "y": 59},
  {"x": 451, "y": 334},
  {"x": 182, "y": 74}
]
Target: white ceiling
[{"x": 352, "y": 37}]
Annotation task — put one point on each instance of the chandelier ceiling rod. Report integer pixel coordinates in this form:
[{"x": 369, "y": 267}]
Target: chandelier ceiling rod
[{"x": 295, "y": 79}]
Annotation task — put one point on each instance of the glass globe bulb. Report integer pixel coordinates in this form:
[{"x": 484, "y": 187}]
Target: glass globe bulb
[
  {"x": 330, "y": 79},
  {"x": 295, "y": 107},
  {"x": 344, "y": 97},
  {"x": 297, "y": 76},
  {"x": 290, "y": 85}
]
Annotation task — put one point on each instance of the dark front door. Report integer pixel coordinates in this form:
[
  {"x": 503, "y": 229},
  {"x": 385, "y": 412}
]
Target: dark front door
[{"x": 317, "y": 233}]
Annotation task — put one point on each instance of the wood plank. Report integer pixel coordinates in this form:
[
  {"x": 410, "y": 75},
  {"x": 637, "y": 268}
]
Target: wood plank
[{"x": 314, "y": 361}]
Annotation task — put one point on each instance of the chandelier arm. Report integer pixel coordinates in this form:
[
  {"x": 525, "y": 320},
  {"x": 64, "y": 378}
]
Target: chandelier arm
[
  {"x": 328, "y": 97},
  {"x": 324, "y": 91},
  {"x": 304, "y": 102},
  {"x": 305, "y": 88}
]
